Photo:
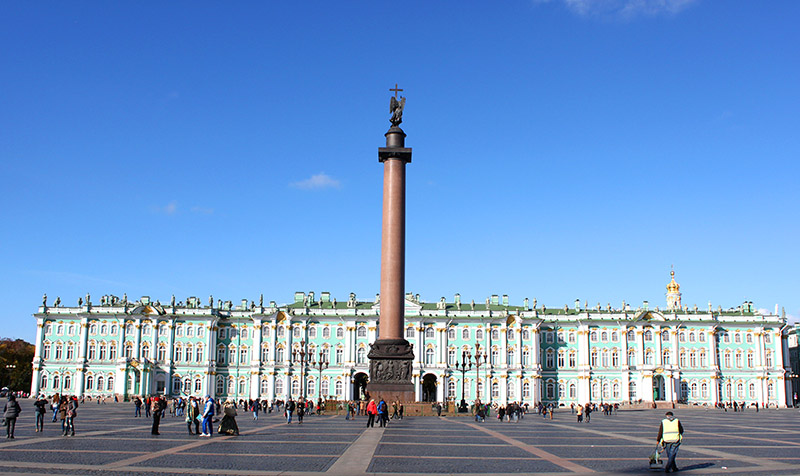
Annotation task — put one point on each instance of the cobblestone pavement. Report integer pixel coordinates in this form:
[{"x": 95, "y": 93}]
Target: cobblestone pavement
[{"x": 110, "y": 441}]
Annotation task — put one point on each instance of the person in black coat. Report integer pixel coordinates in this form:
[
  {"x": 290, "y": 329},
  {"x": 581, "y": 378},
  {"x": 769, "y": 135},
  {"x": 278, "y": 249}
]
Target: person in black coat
[{"x": 10, "y": 412}]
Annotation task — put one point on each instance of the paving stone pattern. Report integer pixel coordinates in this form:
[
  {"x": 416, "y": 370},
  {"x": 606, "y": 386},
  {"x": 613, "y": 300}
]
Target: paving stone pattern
[{"x": 109, "y": 441}]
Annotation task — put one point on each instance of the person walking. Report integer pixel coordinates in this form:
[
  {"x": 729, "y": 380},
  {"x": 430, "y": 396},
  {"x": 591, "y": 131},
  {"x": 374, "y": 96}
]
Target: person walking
[
  {"x": 40, "y": 408},
  {"x": 372, "y": 410},
  {"x": 71, "y": 413},
  {"x": 288, "y": 409},
  {"x": 156, "y": 408},
  {"x": 208, "y": 414},
  {"x": 55, "y": 401},
  {"x": 10, "y": 412},
  {"x": 383, "y": 413},
  {"x": 137, "y": 403},
  {"x": 670, "y": 434},
  {"x": 579, "y": 412},
  {"x": 192, "y": 414},
  {"x": 301, "y": 410}
]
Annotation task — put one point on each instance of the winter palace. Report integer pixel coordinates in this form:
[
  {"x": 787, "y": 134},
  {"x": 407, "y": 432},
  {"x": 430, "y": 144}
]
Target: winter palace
[{"x": 492, "y": 350}]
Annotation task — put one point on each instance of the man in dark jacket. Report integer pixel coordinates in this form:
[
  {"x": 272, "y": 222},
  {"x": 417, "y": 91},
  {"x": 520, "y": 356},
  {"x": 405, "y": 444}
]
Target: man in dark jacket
[
  {"x": 157, "y": 407},
  {"x": 10, "y": 412},
  {"x": 40, "y": 407}
]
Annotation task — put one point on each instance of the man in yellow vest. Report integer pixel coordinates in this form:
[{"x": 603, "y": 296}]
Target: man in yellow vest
[{"x": 670, "y": 434}]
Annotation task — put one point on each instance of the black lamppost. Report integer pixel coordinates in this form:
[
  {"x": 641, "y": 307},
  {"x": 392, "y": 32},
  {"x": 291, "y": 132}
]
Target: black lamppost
[
  {"x": 300, "y": 354},
  {"x": 464, "y": 366},
  {"x": 321, "y": 363},
  {"x": 480, "y": 358}
]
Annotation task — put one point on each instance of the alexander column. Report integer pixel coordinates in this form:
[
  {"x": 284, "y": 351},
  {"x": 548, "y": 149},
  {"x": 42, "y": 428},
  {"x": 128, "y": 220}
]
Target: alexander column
[{"x": 391, "y": 356}]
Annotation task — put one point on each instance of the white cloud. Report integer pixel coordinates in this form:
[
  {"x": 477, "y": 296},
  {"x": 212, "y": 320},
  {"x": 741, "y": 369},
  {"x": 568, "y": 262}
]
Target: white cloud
[
  {"x": 316, "y": 181},
  {"x": 170, "y": 208},
  {"x": 202, "y": 211},
  {"x": 624, "y": 8}
]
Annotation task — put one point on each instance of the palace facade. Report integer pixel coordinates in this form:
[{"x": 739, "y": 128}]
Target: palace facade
[{"x": 494, "y": 351}]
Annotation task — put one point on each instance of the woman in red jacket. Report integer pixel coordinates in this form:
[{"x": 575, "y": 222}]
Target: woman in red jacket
[{"x": 372, "y": 410}]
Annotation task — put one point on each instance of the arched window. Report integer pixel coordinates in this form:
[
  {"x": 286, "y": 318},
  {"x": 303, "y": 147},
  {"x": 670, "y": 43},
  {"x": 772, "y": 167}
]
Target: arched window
[
  {"x": 682, "y": 359},
  {"x": 324, "y": 388},
  {"x": 693, "y": 388},
  {"x": 187, "y": 385},
  {"x": 648, "y": 357},
  {"x": 89, "y": 382},
  {"x": 740, "y": 390},
  {"x": 632, "y": 391},
  {"x": 648, "y": 335},
  {"x": 703, "y": 359},
  {"x": 281, "y": 332},
  {"x": 103, "y": 349},
  {"x": 278, "y": 386},
  {"x": 495, "y": 334},
  {"x": 56, "y": 382},
  {"x": 311, "y": 387},
  {"x": 479, "y": 334},
  {"x": 44, "y": 380},
  {"x": 264, "y": 387},
  {"x": 430, "y": 333},
  {"x": 231, "y": 385},
  {"x": 615, "y": 358},
  {"x": 220, "y": 385},
  {"x": 615, "y": 391},
  {"x": 339, "y": 388},
  {"x": 704, "y": 390},
  {"x": 594, "y": 358},
  {"x": 361, "y": 355},
  {"x": 92, "y": 351},
  {"x": 726, "y": 359},
  {"x": 67, "y": 383},
  {"x": 242, "y": 386},
  {"x": 232, "y": 355},
  {"x": 495, "y": 390},
  {"x": 198, "y": 353},
  {"x": 738, "y": 358},
  {"x": 593, "y": 336},
  {"x": 129, "y": 350},
  {"x": 510, "y": 334},
  {"x": 665, "y": 357},
  {"x": 526, "y": 358},
  {"x": 752, "y": 390},
  {"x": 550, "y": 358},
  {"x": 264, "y": 352},
  {"x": 526, "y": 390},
  {"x": 59, "y": 351},
  {"x": 451, "y": 356},
  {"x": 572, "y": 337},
  {"x": 70, "y": 351},
  {"x": 495, "y": 356},
  {"x": 326, "y": 332},
  {"x": 244, "y": 332},
  {"x": 573, "y": 391},
  {"x": 560, "y": 361},
  {"x": 604, "y": 336},
  {"x": 198, "y": 385},
  {"x": 409, "y": 332},
  {"x": 429, "y": 353},
  {"x": 510, "y": 392},
  {"x": 93, "y": 329},
  {"x": 631, "y": 358},
  {"x": 339, "y": 333},
  {"x": 162, "y": 353},
  {"x": 768, "y": 359},
  {"x": 664, "y": 336},
  {"x": 147, "y": 330},
  {"x": 526, "y": 335},
  {"x": 129, "y": 329},
  {"x": 451, "y": 333},
  {"x": 297, "y": 332},
  {"x": 145, "y": 350},
  {"x": 692, "y": 359},
  {"x": 631, "y": 336},
  {"x": 112, "y": 351},
  {"x": 562, "y": 391},
  {"x": 701, "y": 336},
  {"x": 573, "y": 359},
  {"x": 604, "y": 358},
  {"x": 451, "y": 389},
  {"x": 737, "y": 338},
  {"x": 692, "y": 337},
  {"x": 465, "y": 334},
  {"x": 339, "y": 355},
  {"x": 361, "y": 332}
]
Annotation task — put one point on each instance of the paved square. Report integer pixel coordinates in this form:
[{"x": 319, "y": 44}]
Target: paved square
[{"x": 110, "y": 441}]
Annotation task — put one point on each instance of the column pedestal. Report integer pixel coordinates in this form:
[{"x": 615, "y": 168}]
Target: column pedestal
[{"x": 390, "y": 365}]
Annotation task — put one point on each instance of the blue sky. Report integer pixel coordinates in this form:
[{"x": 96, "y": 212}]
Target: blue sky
[{"x": 563, "y": 149}]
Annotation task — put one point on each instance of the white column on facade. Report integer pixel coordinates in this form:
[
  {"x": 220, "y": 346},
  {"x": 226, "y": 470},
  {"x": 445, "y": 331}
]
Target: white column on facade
[
  {"x": 640, "y": 348},
  {"x": 137, "y": 340},
  {"x": 420, "y": 347},
  {"x": 80, "y": 382},
  {"x": 503, "y": 348},
  {"x": 584, "y": 351},
  {"x": 657, "y": 339},
  {"x": 441, "y": 347},
  {"x": 349, "y": 344},
  {"x": 760, "y": 346},
  {"x": 417, "y": 387},
  {"x": 273, "y": 347},
  {"x": 287, "y": 357},
  {"x": 504, "y": 388},
  {"x": 37, "y": 361}
]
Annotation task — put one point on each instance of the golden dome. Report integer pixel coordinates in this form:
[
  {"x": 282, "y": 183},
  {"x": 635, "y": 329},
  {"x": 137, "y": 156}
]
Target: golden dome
[{"x": 673, "y": 287}]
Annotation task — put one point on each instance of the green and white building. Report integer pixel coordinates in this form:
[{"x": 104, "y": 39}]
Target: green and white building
[{"x": 532, "y": 353}]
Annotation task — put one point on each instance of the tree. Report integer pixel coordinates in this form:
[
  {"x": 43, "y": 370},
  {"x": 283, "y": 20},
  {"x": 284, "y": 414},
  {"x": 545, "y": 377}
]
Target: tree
[{"x": 16, "y": 369}]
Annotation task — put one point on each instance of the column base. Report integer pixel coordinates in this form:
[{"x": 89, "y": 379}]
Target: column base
[{"x": 390, "y": 364}]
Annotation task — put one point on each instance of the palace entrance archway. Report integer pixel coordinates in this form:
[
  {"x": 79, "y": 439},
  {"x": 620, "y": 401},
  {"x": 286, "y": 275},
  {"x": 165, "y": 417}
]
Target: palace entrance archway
[
  {"x": 429, "y": 388},
  {"x": 360, "y": 386}
]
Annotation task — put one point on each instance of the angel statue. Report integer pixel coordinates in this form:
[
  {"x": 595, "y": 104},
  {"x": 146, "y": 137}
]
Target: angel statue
[{"x": 396, "y": 108}]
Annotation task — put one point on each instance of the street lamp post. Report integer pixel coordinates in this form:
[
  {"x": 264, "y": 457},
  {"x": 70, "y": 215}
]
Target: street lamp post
[
  {"x": 464, "y": 367},
  {"x": 320, "y": 363},
  {"x": 301, "y": 354},
  {"x": 480, "y": 358}
]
